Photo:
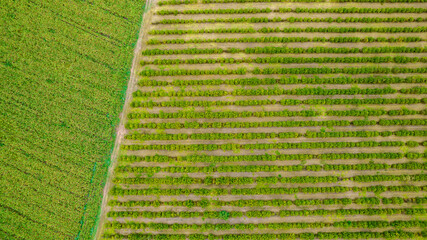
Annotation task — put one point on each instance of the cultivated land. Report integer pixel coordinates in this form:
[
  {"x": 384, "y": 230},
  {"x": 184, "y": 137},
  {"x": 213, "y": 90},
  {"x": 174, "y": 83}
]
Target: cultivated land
[
  {"x": 222, "y": 137},
  {"x": 64, "y": 68},
  {"x": 275, "y": 120}
]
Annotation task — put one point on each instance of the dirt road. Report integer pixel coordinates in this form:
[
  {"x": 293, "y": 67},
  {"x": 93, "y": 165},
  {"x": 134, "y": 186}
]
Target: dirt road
[{"x": 121, "y": 131}]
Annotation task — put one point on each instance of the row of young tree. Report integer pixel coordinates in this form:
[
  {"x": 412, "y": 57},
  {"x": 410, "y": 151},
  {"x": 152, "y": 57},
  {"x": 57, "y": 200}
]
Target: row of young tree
[
  {"x": 284, "y": 102},
  {"x": 261, "y": 146},
  {"x": 287, "y": 60},
  {"x": 270, "y": 124},
  {"x": 268, "y": 191},
  {"x": 194, "y": 158},
  {"x": 288, "y": 10},
  {"x": 152, "y": 191},
  {"x": 176, "y": 2},
  {"x": 275, "y": 168},
  {"x": 266, "y": 214},
  {"x": 390, "y": 234},
  {"x": 333, "y": 29},
  {"x": 270, "y": 135},
  {"x": 278, "y": 70},
  {"x": 346, "y": 70},
  {"x": 154, "y": 41},
  {"x": 204, "y": 203},
  {"x": 276, "y": 91},
  {"x": 275, "y": 226},
  {"x": 307, "y": 1},
  {"x": 293, "y": 20},
  {"x": 375, "y": 79},
  {"x": 278, "y": 50},
  {"x": 227, "y": 114},
  {"x": 185, "y": 180},
  {"x": 179, "y": 2}
]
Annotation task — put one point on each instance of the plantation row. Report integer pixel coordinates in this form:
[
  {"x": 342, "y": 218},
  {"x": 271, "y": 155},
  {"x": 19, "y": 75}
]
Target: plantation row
[
  {"x": 264, "y": 114},
  {"x": 291, "y": 30},
  {"x": 271, "y": 157},
  {"x": 295, "y": 19},
  {"x": 286, "y": 40},
  {"x": 392, "y": 234},
  {"x": 284, "y": 102},
  {"x": 179, "y": 2},
  {"x": 327, "y": 123},
  {"x": 346, "y": 70},
  {"x": 260, "y": 146},
  {"x": 288, "y": 60},
  {"x": 295, "y": 10},
  {"x": 228, "y": 114},
  {"x": 249, "y": 135},
  {"x": 275, "y": 226},
  {"x": 265, "y": 214},
  {"x": 280, "y": 91},
  {"x": 267, "y": 180},
  {"x": 274, "y": 203},
  {"x": 288, "y": 80},
  {"x": 274, "y": 168},
  {"x": 265, "y": 191},
  {"x": 278, "y": 70},
  {"x": 277, "y": 50}
]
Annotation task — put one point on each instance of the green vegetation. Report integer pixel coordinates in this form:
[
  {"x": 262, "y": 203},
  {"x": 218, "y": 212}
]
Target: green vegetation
[
  {"x": 64, "y": 67},
  {"x": 250, "y": 119}
]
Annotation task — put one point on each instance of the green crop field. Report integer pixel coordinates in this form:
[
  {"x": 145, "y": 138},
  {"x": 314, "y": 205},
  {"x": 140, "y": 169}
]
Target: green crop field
[
  {"x": 64, "y": 68},
  {"x": 275, "y": 119},
  {"x": 246, "y": 120}
]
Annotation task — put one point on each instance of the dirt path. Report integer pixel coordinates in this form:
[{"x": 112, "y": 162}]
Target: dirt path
[{"x": 121, "y": 131}]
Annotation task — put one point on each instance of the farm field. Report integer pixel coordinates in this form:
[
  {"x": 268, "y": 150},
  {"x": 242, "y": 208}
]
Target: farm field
[
  {"x": 64, "y": 69},
  {"x": 255, "y": 119}
]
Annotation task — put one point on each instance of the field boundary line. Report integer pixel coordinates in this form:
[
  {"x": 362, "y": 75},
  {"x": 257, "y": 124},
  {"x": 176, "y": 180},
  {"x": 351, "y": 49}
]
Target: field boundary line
[{"x": 120, "y": 132}]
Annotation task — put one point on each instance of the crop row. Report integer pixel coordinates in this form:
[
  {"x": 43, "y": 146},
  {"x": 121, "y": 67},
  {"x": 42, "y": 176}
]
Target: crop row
[
  {"x": 307, "y": 1},
  {"x": 327, "y": 70},
  {"x": 291, "y": 30},
  {"x": 287, "y": 80},
  {"x": 278, "y": 50},
  {"x": 288, "y": 60},
  {"x": 391, "y": 234},
  {"x": 227, "y": 114},
  {"x": 184, "y": 180},
  {"x": 284, "y": 102},
  {"x": 279, "y": 70},
  {"x": 265, "y": 214},
  {"x": 275, "y": 50},
  {"x": 274, "y": 168},
  {"x": 270, "y": 157},
  {"x": 179, "y": 2},
  {"x": 266, "y": 114},
  {"x": 328, "y": 123},
  {"x": 269, "y": 135},
  {"x": 286, "y": 40},
  {"x": 262, "y": 191},
  {"x": 275, "y": 202},
  {"x": 260, "y": 146},
  {"x": 276, "y": 91},
  {"x": 295, "y": 19},
  {"x": 275, "y": 226},
  {"x": 295, "y": 10}
]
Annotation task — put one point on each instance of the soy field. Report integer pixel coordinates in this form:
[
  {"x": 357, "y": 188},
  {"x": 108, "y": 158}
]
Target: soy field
[{"x": 64, "y": 68}]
